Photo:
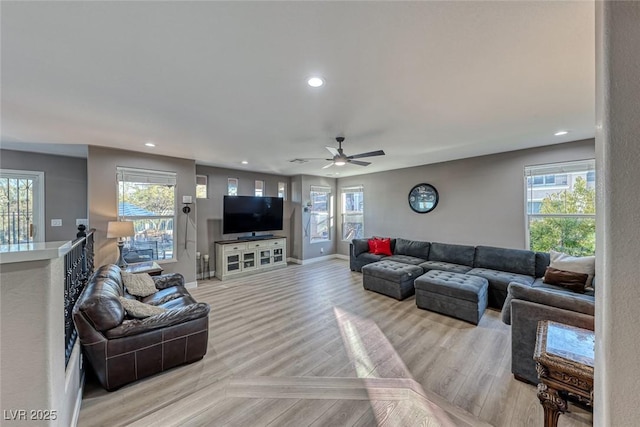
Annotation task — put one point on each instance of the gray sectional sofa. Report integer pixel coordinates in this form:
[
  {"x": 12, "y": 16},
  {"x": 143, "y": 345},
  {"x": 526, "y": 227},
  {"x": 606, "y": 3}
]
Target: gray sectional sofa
[
  {"x": 516, "y": 287},
  {"x": 500, "y": 266}
]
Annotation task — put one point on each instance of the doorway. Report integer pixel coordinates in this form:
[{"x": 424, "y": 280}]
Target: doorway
[{"x": 21, "y": 207}]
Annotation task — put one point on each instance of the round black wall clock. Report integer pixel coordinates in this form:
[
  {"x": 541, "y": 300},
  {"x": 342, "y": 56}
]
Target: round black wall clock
[{"x": 423, "y": 198}]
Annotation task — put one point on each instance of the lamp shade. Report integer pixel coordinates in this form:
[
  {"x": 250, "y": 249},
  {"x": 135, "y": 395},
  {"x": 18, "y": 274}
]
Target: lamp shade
[{"x": 119, "y": 229}]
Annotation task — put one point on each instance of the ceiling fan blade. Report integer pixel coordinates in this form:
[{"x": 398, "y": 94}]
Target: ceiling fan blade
[
  {"x": 328, "y": 166},
  {"x": 359, "y": 163},
  {"x": 369, "y": 154},
  {"x": 334, "y": 151}
]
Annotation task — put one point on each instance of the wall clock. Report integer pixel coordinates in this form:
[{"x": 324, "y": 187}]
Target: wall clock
[{"x": 423, "y": 198}]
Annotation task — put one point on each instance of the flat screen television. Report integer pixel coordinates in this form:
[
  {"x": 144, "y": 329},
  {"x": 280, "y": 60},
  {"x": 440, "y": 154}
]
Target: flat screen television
[{"x": 248, "y": 214}]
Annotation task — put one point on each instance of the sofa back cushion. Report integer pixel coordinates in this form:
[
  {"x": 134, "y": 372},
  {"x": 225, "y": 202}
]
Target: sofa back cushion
[
  {"x": 100, "y": 305},
  {"x": 110, "y": 271},
  {"x": 412, "y": 248},
  {"x": 517, "y": 261},
  {"x": 454, "y": 254},
  {"x": 360, "y": 246},
  {"x": 542, "y": 262}
]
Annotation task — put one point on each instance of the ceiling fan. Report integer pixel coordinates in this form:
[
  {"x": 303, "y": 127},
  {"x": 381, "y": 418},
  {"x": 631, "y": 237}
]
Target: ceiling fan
[{"x": 341, "y": 159}]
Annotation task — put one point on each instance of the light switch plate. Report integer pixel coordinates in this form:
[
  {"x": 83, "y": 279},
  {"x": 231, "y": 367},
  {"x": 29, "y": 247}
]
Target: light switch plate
[
  {"x": 56, "y": 223},
  {"x": 83, "y": 221}
]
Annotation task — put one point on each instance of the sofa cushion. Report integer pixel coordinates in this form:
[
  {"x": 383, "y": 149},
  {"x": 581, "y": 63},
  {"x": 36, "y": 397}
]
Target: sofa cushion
[
  {"x": 501, "y": 279},
  {"x": 139, "y": 284},
  {"x": 165, "y": 295},
  {"x": 444, "y": 266},
  {"x": 542, "y": 262},
  {"x": 454, "y": 254},
  {"x": 517, "y": 261},
  {"x": 360, "y": 246},
  {"x": 586, "y": 264},
  {"x": 140, "y": 310},
  {"x": 413, "y": 248},
  {"x": 368, "y": 257},
  {"x": 101, "y": 306},
  {"x": 405, "y": 259}
]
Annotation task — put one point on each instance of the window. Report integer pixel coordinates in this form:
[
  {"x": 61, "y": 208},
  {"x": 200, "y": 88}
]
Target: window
[
  {"x": 282, "y": 190},
  {"x": 21, "y": 206},
  {"x": 259, "y": 188},
  {"x": 562, "y": 219},
  {"x": 352, "y": 213},
  {"x": 148, "y": 198},
  {"x": 201, "y": 186},
  {"x": 319, "y": 224},
  {"x": 232, "y": 186}
]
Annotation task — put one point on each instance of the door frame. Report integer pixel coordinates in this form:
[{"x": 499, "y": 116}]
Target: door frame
[{"x": 38, "y": 199}]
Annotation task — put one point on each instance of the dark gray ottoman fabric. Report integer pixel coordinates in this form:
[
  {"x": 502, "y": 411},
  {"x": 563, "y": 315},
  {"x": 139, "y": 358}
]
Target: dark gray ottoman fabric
[
  {"x": 453, "y": 294},
  {"x": 498, "y": 283},
  {"x": 390, "y": 278}
]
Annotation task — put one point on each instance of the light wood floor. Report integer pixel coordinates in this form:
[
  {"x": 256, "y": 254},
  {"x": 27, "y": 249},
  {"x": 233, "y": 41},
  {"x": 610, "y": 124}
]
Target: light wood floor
[{"x": 307, "y": 345}]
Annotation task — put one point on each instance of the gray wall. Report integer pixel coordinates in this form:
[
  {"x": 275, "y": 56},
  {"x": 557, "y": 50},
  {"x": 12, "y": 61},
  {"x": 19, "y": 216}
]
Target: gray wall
[
  {"x": 210, "y": 209},
  {"x": 481, "y": 198},
  {"x": 65, "y": 180},
  {"x": 103, "y": 203}
]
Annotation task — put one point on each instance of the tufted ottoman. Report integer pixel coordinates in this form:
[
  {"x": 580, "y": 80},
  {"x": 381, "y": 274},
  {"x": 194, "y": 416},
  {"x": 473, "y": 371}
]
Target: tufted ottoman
[
  {"x": 453, "y": 294},
  {"x": 394, "y": 279}
]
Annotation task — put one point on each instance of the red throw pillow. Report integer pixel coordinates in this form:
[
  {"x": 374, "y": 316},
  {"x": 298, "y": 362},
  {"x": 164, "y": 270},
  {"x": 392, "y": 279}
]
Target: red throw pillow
[
  {"x": 383, "y": 246},
  {"x": 373, "y": 244}
]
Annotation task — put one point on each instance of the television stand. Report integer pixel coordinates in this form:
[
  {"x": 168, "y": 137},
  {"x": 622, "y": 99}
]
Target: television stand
[
  {"x": 254, "y": 237},
  {"x": 249, "y": 255}
]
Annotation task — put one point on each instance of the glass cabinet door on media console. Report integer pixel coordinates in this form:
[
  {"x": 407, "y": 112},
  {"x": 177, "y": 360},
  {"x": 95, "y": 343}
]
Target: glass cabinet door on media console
[{"x": 234, "y": 259}]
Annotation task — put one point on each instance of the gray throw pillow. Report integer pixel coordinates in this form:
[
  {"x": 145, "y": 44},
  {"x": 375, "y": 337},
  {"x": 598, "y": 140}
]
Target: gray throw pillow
[
  {"x": 140, "y": 284},
  {"x": 140, "y": 310}
]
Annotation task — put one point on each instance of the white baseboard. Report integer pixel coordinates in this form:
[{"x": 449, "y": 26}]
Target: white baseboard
[
  {"x": 317, "y": 259},
  {"x": 191, "y": 285}
]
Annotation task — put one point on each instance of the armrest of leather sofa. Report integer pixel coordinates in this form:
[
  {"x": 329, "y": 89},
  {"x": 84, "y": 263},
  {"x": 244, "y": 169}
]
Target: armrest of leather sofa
[
  {"x": 168, "y": 318},
  {"x": 168, "y": 280},
  {"x": 562, "y": 299}
]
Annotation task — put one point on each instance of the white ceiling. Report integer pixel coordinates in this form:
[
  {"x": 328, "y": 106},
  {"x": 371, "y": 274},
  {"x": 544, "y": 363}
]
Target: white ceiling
[{"x": 222, "y": 82}]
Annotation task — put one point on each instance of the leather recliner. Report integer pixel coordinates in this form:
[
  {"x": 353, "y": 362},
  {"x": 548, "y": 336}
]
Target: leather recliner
[{"x": 122, "y": 349}]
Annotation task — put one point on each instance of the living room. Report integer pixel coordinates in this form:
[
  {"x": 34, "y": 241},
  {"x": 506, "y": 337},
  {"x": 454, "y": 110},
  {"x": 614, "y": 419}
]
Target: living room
[{"x": 481, "y": 195}]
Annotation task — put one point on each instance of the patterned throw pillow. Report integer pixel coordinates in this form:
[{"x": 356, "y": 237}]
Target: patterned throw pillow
[
  {"x": 140, "y": 310},
  {"x": 140, "y": 285}
]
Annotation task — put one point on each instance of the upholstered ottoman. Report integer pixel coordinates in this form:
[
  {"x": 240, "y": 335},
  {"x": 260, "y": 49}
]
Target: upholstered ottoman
[
  {"x": 453, "y": 294},
  {"x": 390, "y": 278}
]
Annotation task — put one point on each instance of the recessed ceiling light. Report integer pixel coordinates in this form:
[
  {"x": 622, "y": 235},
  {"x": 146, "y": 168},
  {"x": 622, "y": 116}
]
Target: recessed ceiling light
[
  {"x": 149, "y": 144},
  {"x": 562, "y": 132},
  {"x": 244, "y": 162},
  {"x": 315, "y": 82}
]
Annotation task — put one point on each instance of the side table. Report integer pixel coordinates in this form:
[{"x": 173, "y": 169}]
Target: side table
[
  {"x": 152, "y": 268},
  {"x": 564, "y": 358}
]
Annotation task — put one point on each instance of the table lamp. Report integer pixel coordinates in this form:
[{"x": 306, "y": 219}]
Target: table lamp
[{"x": 120, "y": 230}]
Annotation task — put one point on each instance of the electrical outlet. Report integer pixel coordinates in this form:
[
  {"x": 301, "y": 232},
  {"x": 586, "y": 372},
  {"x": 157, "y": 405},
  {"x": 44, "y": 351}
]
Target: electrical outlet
[
  {"x": 321, "y": 250},
  {"x": 83, "y": 221},
  {"x": 56, "y": 223}
]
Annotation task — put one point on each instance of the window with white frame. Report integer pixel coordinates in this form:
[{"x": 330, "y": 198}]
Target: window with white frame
[
  {"x": 561, "y": 207},
  {"x": 232, "y": 186},
  {"x": 282, "y": 190},
  {"x": 259, "y": 191},
  {"x": 352, "y": 212},
  {"x": 201, "y": 186},
  {"x": 319, "y": 225},
  {"x": 148, "y": 198}
]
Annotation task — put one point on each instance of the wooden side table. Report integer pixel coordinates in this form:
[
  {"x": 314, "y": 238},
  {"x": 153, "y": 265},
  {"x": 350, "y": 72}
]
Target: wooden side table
[
  {"x": 152, "y": 268},
  {"x": 564, "y": 358}
]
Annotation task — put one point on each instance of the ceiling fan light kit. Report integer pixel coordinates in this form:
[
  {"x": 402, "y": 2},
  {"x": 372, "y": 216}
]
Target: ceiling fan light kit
[{"x": 341, "y": 159}]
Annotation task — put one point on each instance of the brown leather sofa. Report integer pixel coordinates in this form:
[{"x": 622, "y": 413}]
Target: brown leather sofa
[{"x": 122, "y": 349}]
